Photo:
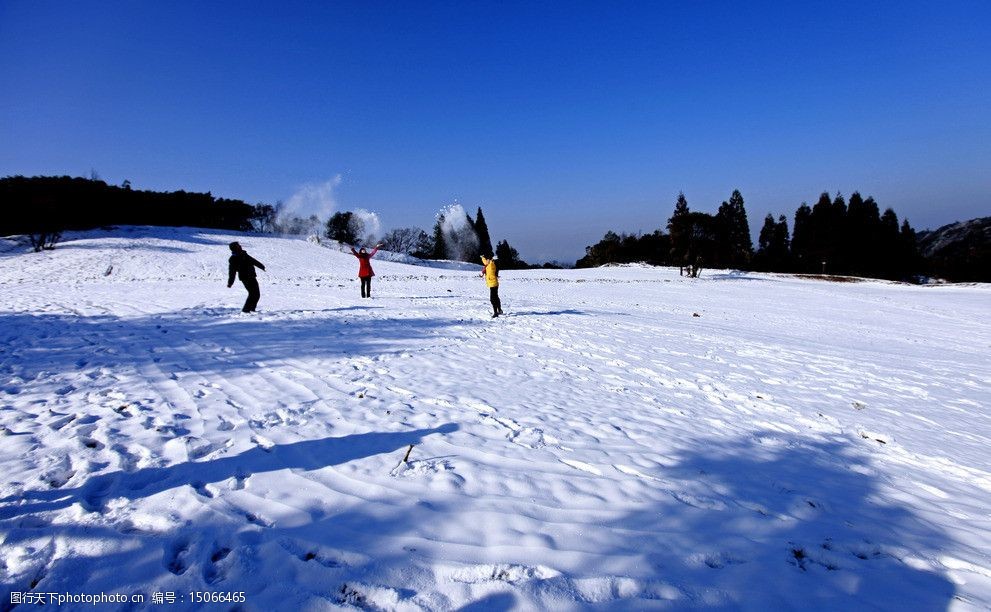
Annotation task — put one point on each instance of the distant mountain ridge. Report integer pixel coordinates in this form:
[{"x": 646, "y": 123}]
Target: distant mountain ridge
[{"x": 959, "y": 251}]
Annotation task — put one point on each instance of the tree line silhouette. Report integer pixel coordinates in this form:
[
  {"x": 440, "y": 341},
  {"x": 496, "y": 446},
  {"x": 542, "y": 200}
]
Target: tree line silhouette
[
  {"x": 47, "y": 205},
  {"x": 833, "y": 237}
]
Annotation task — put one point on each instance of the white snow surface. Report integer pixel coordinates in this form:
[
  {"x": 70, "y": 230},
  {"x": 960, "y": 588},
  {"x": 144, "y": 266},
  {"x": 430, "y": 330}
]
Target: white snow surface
[{"x": 799, "y": 444}]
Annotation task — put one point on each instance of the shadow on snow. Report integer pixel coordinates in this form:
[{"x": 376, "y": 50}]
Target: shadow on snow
[
  {"x": 771, "y": 521},
  {"x": 203, "y": 341},
  {"x": 306, "y": 455}
]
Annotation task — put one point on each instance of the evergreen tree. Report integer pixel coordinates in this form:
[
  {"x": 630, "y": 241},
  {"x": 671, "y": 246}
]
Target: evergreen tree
[
  {"x": 764, "y": 242},
  {"x": 607, "y": 250},
  {"x": 837, "y": 235},
  {"x": 653, "y": 248},
  {"x": 344, "y": 227},
  {"x": 678, "y": 232},
  {"x": 801, "y": 239},
  {"x": 47, "y": 204},
  {"x": 911, "y": 261},
  {"x": 508, "y": 257},
  {"x": 772, "y": 254},
  {"x": 701, "y": 236},
  {"x": 734, "y": 248},
  {"x": 820, "y": 239},
  {"x": 482, "y": 231},
  {"x": 781, "y": 244},
  {"x": 680, "y": 208},
  {"x": 888, "y": 243},
  {"x": 871, "y": 237},
  {"x": 743, "y": 246},
  {"x": 439, "y": 241},
  {"x": 856, "y": 236}
]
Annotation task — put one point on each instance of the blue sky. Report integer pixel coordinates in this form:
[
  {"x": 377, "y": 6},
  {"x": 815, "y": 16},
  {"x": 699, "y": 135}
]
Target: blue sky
[{"x": 561, "y": 120}]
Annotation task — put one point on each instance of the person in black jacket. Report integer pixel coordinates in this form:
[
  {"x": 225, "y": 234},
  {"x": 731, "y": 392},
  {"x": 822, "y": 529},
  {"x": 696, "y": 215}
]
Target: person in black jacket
[{"x": 243, "y": 265}]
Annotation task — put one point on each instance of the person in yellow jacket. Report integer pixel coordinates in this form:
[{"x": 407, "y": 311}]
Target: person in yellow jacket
[{"x": 490, "y": 272}]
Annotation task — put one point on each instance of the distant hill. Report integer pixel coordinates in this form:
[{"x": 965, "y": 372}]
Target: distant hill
[{"x": 960, "y": 251}]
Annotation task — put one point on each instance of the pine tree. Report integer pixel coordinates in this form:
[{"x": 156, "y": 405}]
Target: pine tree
[
  {"x": 724, "y": 247},
  {"x": 508, "y": 257},
  {"x": 888, "y": 243},
  {"x": 680, "y": 208},
  {"x": 910, "y": 260},
  {"x": 742, "y": 244},
  {"x": 872, "y": 237},
  {"x": 820, "y": 239},
  {"x": 856, "y": 235},
  {"x": 763, "y": 257},
  {"x": 702, "y": 232},
  {"x": 439, "y": 241},
  {"x": 734, "y": 246},
  {"x": 772, "y": 255},
  {"x": 678, "y": 231},
  {"x": 470, "y": 249},
  {"x": 781, "y": 244},
  {"x": 801, "y": 239},
  {"x": 482, "y": 231},
  {"x": 837, "y": 236}
]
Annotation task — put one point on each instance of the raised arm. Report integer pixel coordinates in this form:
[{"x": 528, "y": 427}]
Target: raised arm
[{"x": 353, "y": 252}]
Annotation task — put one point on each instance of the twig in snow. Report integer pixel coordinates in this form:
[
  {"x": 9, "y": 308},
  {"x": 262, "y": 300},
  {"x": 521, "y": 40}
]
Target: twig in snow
[{"x": 405, "y": 459}]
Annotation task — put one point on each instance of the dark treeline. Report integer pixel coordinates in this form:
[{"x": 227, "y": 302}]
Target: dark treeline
[
  {"x": 42, "y": 207},
  {"x": 832, "y": 237},
  {"x": 43, "y": 204},
  {"x": 835, "y": 236}
]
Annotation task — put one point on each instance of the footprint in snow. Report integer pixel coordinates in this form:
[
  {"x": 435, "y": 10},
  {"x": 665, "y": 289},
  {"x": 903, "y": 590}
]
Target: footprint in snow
[
  {"x": 202, "y": 489},
  {"x": 307, "y": 553},
  {"x": 176, "y": 553},
  {"x": 126, "y": 460},
  {"x": 59, "y": 474},
  {"x": 716, "y": 560},
  {"x": 240, "y": 480},
  {"x": 256, "y": 519},
  {"x": 197, "y": 448},
  {"x": 215, "y": 571},
  {"x": 95, "y": 498},
  {"x": 502, "y": 572}
]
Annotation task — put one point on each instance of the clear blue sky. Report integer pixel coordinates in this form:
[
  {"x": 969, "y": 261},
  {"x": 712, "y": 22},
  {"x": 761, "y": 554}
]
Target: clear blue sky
[{"x": 561, "y": 120}]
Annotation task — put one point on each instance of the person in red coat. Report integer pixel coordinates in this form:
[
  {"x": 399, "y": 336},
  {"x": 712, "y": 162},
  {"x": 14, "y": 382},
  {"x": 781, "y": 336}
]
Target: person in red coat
[{"x": 365, "y": 272}]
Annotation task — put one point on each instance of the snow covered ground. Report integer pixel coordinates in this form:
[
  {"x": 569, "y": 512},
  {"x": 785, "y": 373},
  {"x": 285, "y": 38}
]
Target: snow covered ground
[{"x": 798, "y": 444}]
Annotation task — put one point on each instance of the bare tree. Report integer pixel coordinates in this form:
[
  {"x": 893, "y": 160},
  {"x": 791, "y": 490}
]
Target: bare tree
[
  {"x": 406, "y": 240},
  {"x": 44, "y": 240}
]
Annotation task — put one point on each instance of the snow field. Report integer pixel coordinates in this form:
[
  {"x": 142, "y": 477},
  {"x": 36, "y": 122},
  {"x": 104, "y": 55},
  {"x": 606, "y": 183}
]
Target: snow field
[{"x": 798, "y": 444}]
